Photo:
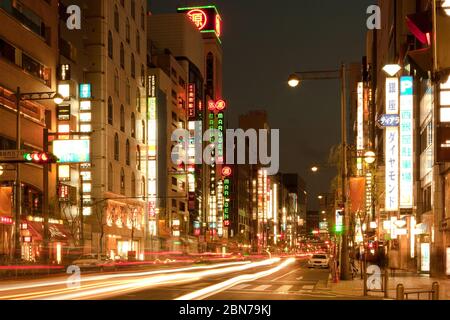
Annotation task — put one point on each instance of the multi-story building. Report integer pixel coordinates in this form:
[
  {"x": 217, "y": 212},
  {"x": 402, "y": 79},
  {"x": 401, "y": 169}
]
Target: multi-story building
[
  {"x": 28, "y": 60},
  {"x": 410, "y": 199},
  {"x": 109, "y": 124}
]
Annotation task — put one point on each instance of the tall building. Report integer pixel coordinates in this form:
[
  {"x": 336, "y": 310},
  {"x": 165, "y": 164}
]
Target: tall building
[
  {"x": 28, "y": 60},
  {"x": 107, "y": 124},
  {"x": 410, "y": 190}
]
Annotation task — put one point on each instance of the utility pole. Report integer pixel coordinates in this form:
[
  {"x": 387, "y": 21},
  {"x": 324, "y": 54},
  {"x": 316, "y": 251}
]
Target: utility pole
[
  {"x": 345, "y": 275},
  {"x": 17, "y": 189},
  {"x": 45, "y": 205}
]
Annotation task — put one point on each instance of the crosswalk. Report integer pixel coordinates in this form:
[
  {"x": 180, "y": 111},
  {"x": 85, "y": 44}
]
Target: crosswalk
[{"x": 279, "y": 289}]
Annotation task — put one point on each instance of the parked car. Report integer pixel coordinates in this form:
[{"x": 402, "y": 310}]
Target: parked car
[
  {"x": 319, "y": 260},
  {"x": 94, "y": 261}
]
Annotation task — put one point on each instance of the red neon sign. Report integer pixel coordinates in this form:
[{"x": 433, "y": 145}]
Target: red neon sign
[
  {"x": 219, "y": 105},
  {"x": 199, "y": 18},
  {"x": 6, "y": 220},
  {"x": 227, "y": 171},
  {"x": 191, "y": 101}
]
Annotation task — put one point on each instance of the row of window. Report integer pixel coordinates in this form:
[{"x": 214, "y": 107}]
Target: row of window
[
  {"x": 122, "y": 120},
  {"x": 122, "y": 58},
  {"x": 132, "y": 13},
  {"x": 123, "y": 182},
  {"x": 24, "y": 61},
  {"x": 127, "y": 152}
]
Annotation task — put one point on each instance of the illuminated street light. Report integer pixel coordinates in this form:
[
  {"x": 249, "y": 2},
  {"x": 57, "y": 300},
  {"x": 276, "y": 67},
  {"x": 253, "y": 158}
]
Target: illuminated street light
[
  {"x": 369, "y": 157},
  {"x": 392, "y": 69},
  {"x": 58, "y": 99},
  {"x": 320, "y": 197},
  {"x": 314, "y": 169},
  {"x": 294, "y": 80}
]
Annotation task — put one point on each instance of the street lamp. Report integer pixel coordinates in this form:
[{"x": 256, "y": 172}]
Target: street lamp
[
  {"x": 314, "y": 169},
  {"x": 369, "y": 157},
  {"x": 293, "y": 81},
  {"x": 392, "y": 69},
  {"x": 31, "y": 96}
]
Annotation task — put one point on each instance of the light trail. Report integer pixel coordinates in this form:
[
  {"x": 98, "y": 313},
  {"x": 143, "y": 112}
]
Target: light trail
[
  {"x": 12, "y": 287},
  {"x": 141, "y": 284},
  {"x": 219, "y": 287}
]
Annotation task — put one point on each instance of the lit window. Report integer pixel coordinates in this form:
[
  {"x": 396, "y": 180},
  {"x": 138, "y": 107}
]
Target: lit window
[
  {"x": 445, "y": 98},
  {"x": 64, "y": 90},
  {"x": 87, "y": 187},
  {"x": 64, "y": 128},
  {"x": 85, "y": 128},
  {"x": 445, "y": 114},
  {"x": 87, "y": 211},
  {"x": 87, "y": 175},
  {"x": 85, "y": 117},
  {"x": 64, "y": 172},
  {"x": 85, "y": 105}
]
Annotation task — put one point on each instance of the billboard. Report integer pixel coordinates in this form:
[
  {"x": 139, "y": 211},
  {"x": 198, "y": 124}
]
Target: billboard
[{"x": 72, "y": 151}]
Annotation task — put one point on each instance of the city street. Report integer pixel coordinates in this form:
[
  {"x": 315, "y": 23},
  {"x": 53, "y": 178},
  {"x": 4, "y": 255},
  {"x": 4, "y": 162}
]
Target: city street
[{"x": 270, "y": 279}]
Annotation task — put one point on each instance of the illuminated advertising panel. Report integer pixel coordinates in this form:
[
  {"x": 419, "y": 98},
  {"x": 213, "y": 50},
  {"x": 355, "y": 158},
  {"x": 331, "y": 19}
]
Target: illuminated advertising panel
[
  {"x": 406, "y": 142},
  {"x": 425, "y": 257},
  {"x": 85, "y": 91},
  {"x": 339, "y": 221},
  {"x": 72, "y": 151},
  {"x": 191, "y": 101},
  {"x": 392, "y": 148},
  {"x": 360, "y": 116},
  {"x": 152, "y": 148},
  {"x": 206, "y": 18}
]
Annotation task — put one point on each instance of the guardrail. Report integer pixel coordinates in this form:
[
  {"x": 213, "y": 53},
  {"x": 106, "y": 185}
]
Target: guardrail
[{"x": 433, "y": 294}]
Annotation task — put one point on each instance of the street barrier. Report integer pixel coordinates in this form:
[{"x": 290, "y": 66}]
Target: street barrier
[{"x": 432, "y": 294}]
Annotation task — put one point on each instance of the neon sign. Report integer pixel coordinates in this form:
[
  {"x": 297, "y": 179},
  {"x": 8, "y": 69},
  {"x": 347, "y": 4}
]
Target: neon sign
[
  {"x": 392, "y": 147},
  {"x": 226, "y": 171},
  {"x": 206, "y": 18},
  {"x": 218, "y": 106},
  {"x": 191, "y": 101},
  {"x": 198, "y": 17},
  {"x": 406, "y": 142}
]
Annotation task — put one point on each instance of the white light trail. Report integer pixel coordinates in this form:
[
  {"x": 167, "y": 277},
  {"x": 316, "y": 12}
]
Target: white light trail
[{"x": 214, "y": 289}]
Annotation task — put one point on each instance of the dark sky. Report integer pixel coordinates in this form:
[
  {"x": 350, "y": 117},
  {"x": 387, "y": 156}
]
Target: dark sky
[{"x": 264, "y": 41}]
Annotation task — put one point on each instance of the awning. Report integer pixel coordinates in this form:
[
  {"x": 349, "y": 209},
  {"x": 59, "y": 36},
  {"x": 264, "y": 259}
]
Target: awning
[
  {"x": 57, "y": 232},
  {"x": 420, "y": 25},
  {"x": 421, "y": 59}
]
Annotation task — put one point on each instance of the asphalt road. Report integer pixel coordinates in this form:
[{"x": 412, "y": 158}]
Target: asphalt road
[
  {"x": 269, "y": 279},
  {"x": 295, "y": 282}
]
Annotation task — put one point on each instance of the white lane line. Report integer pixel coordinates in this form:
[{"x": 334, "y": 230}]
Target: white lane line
[
  {"x": 299, "y": 278},
  {"x": 219, "y": 287},
  {"x": 307, "y": 288},
  {"x": 261, "y": 288},
  {"x": 241, "y": 286},
  {"x": 285, "y": 275},
  {"x": 284, "y": 289}
]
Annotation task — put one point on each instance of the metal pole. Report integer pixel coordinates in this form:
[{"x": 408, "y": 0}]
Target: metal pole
[
  {"x": 81, "y": 215},
  {"x": 17, "y": 189},
  {"x": 45, "y": 208},
  {"x": 345, "y": 274}
]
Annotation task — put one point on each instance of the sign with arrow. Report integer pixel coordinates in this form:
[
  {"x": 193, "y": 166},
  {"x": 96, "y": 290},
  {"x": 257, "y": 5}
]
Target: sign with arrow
[{"x": 388, "y": 120}]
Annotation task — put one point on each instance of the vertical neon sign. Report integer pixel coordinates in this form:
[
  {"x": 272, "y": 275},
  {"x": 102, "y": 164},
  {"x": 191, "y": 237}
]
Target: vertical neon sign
[
  {"x": 392, "y": 148},
  {"x": 406, "y": 142},
  {"x": 151, "y": 154}
]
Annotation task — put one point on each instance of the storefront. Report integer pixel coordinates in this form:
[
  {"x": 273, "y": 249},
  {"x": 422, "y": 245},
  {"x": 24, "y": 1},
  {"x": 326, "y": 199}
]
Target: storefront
[
  {"x": 6, "y": 223},
  {"x": 32, "y": 230},
  {"x": 124, "y": 231}
]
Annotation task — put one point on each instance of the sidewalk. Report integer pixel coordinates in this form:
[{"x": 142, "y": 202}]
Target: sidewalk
[{"x": 411, "y": 282}]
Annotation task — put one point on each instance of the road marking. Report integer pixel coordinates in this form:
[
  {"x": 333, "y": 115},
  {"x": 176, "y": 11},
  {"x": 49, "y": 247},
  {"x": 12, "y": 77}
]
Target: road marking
[
  {"x": 284, "y": 275},
  {"x": 284, "y": 289},
  {"x": 307, "y": 288},
  {"x": 299, "y": 278},
  {"x": 241, "y": 286},
  {"x": 262, "y": 288}
]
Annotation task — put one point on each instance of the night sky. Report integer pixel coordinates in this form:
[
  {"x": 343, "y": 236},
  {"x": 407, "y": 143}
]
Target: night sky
[{"x": 265, "y": 41}]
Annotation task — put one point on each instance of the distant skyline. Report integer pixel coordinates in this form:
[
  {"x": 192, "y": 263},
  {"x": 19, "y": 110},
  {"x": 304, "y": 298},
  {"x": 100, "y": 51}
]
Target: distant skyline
[{"x": 264, "y": 43}]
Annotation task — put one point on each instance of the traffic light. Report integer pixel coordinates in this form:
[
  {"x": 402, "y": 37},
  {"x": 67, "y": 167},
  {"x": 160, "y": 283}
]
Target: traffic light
[{"x": 40, "y": 157}]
